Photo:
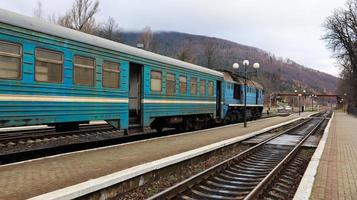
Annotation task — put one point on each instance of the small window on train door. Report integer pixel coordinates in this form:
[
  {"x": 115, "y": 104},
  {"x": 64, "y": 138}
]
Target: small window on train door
[
  {"x": 193, "y": 86},
  {"x": 183, "y": 84},
  {"x": 10, "y": 60},
  {"x": 156, "y": 81},
  {"x": 202, "y": 87},
  {"x": 48, "y": 66},
  {"x": 111, "y": 74},
  {"x": 236, "y": 91},
  {"x": 84, "y": 71},
  {"x": 210, "y": 88},
  {"x": 170, "y": 84}
]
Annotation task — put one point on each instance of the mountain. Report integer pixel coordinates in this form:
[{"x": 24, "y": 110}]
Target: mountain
[{"x": 276, "y": 74}]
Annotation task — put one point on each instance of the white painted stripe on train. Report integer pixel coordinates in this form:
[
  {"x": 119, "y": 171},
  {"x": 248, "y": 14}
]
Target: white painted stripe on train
[
  {"x": 43, "y": 98},
  {"x": 96, "y": 184},
  {"x": 307, "y": 182},
  {"x": 166, "y": 101},
  {"x": 248, "y": 105}
]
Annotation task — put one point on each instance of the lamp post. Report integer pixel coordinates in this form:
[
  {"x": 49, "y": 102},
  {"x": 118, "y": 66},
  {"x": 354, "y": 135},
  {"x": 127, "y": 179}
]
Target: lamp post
[
  {"x": 236, "y": 67},
  {"x": 345, "y": 107},
  {"x": 312, "y": 102},
  {"x": 299, "y": 95},
  {"x": 296, "y": 92},
  {"x": 304, "y": 98}
]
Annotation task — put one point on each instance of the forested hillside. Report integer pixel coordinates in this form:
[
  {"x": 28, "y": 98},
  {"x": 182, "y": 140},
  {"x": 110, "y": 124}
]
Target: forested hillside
[{"x": 276, "y": 74}]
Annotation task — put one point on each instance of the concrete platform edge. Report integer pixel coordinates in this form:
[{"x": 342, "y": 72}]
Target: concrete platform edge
[
  {"x": 305, "y": 187},
  {"x": 93, "y": 185}
]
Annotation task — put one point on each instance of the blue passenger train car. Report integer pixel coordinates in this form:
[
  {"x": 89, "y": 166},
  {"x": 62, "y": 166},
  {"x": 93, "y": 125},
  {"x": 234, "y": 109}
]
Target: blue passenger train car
[{"x": 57, "y": 76}]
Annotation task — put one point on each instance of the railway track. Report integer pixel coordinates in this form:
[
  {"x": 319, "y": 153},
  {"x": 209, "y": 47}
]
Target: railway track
[
  {"x": 247, "y": 175},
  {"x": 23, "y": 135}
]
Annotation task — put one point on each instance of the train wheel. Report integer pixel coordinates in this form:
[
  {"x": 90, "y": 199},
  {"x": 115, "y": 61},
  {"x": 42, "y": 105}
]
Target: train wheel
[
  {"x": 63, "y": 127},
  {"x": 188, "y": 124},
  {"x": 159, "y": 129}
]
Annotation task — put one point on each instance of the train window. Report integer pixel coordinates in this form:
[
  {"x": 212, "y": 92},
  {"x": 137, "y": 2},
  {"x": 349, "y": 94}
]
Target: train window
[
  {"x": 156, "y": 81},
  {"x": 202, "y": 87},
  {"x": 210, "y": 88},
  {"x": 48, "y": 66},
  {"x": 111, "y": 74},
  {"x": 236, "y": 91},
  {"x": 193, "y": 88},
  {"x": 10, "y": 60},
  {"x": 84, "y": 71},
  {"x": 170, "y": 84},
  {"x": 183, "y": 84}
]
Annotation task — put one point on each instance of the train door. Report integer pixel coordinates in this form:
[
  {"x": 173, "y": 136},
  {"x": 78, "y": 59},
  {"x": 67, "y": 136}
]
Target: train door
[
  {"x": 218, "y": 98},
  {"x": 135, "y": 95},
  {"x": 256, "y": 96}
]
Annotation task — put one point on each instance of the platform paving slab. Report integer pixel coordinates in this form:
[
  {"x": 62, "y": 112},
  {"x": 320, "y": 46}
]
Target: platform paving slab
[
  {"x": 336, "y": 176},
  {"x": 29, "y": 179}
]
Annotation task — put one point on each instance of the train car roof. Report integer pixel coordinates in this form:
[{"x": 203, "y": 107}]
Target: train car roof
[
  {"x": 228, "y": 76},
  {"x": 42, "y": 26}
]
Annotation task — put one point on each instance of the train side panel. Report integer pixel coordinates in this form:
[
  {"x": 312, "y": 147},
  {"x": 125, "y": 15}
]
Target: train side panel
[
  {"x": 159, "y": 104},
  {"x": 234, "y": 91},
  {"x": 30, "y": 102}
]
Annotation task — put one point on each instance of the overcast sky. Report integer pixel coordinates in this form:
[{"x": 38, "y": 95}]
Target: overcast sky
[{"x": 287, "y": 28}]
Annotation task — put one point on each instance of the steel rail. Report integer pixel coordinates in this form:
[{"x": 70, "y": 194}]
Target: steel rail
[
  {"x": 33, "y": 134},
  {"x": 259, "y": 188},
  {"x": 204, "y": 175}
]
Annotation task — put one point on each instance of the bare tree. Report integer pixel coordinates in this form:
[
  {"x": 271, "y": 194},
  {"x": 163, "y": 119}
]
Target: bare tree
[
  {"x": 53, "y": 18},
  {"x": 38, "y": 12},
  {"x": 146, "y": 38},
  {"x": 110, "y": 30},
  {"x": 81, "y": 17},
  {"x": 185, "y": 52},
  {"x": 65, "y": 21},
  {"x": 210, "y": 51},
  {"x": 341, "y": 38}
]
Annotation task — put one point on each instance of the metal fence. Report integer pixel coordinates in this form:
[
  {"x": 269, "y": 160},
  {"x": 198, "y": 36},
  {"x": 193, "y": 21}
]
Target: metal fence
[{"x": 352, "y": 110}]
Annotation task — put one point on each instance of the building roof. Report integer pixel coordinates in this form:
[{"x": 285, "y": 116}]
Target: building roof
[{"x": 42, "y": 26}]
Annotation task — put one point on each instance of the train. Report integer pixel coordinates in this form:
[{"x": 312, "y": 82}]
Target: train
[{"x": 56, "y": 76}]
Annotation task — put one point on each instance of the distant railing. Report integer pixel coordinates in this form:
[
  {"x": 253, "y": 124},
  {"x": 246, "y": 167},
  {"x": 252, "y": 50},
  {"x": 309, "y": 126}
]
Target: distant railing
[{"x": 352, "y": 110}]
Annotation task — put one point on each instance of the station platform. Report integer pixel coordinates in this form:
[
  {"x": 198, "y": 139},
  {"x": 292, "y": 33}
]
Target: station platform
[
  {"x": 336, "y": 176},
  {"x": 32, "y": 178}
]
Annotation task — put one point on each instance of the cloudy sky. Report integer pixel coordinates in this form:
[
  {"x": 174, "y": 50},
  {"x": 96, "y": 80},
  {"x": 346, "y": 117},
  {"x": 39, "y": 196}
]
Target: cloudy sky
[{"x": 287, "y": 28}]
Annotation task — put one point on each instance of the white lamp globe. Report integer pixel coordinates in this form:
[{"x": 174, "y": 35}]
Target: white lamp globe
[
  {"x": 256, "y": 65},
  {"x": 295, "y": 91},
  {"x": 304, "y": 91},
  {"x": 246, "y": 62},
  {"x": 235, "y": 66}
]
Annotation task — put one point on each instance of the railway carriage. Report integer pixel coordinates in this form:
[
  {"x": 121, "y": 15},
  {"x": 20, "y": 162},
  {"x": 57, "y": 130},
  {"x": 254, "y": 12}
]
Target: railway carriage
[
  {"x": 57, "y": 76},
  {"x": 181, "y": 98}
]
